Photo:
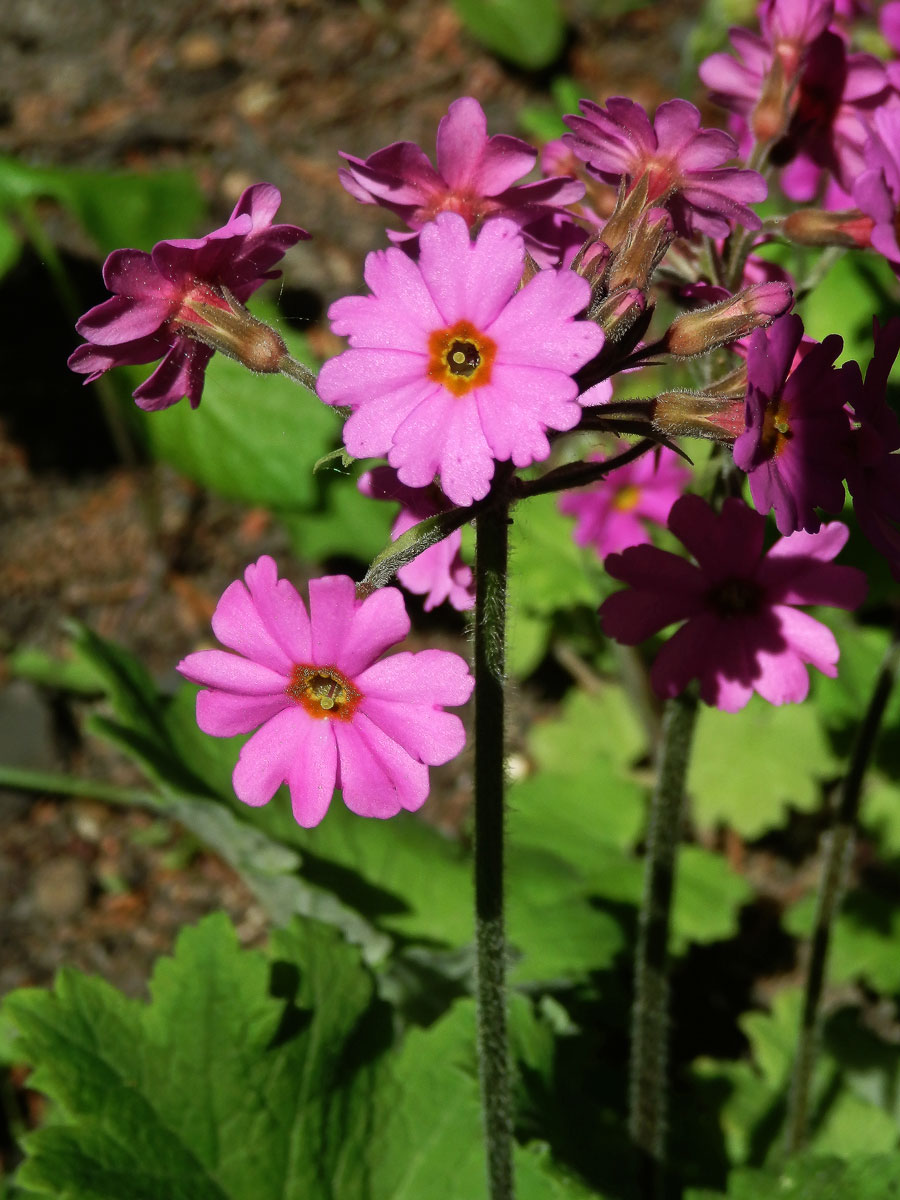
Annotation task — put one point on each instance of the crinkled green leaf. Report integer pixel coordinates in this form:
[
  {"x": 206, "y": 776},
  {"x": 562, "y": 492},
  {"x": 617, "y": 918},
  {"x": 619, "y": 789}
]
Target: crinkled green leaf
[
  {"x": 748, "y": 767},
  {"x": 243, "y": 1079},
  {"x": 592, "y": 728},
  {"x": 529, "y": 33}
]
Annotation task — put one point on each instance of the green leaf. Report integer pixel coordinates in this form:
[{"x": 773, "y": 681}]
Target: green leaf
[
  {"x": 10, "y": 247},
  {"x": 71, "y": 674},
  {"x": 747, "y": 767},
  {"x": 815, "y": 1177},
  {"x": 528, "y": 32},
  {"x": 254, "y": 438},
  {"x": 864, "y": 938},
  {"x": 857, "y": 286},
  {"x": 116, "y": 208},
  {"x": 246, "y": 1078},
  {"x": 753, "y": 1113},
  {"x": 345, "y": 522}
]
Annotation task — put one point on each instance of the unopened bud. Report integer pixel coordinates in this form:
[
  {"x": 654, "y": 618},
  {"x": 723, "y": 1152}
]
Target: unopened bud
[
  {"x": 237, "y": 333},
  {"x": 697, "y": 414},
  {"x": 735, "y": 317},
  {"x": 817, "y": 227},
  {"x": 617, "y": 314},
  {"x": 641, "y": 251},
  {"x": 772, "y": 113}
]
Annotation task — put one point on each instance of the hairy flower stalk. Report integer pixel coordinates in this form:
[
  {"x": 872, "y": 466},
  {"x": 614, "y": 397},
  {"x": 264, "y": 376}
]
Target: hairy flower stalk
[
  {"x": 838, "y": 851},
  {"x": 648, "y": 1070},
  {"x": 491, "y": 555}
]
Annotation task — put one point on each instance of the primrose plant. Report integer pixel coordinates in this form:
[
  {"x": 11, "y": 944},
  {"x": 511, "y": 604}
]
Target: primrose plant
[{"x": 571, "y": 334}]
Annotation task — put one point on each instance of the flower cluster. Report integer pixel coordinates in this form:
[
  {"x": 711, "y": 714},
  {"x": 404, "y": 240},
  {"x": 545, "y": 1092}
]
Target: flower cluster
[{"x": 504, "y": 318}]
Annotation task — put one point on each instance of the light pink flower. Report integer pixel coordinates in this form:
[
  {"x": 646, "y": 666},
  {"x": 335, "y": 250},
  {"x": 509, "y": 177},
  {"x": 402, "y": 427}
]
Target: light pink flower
[
  {"x": 682, "y": 163},
  {"x": 475, "y": 177},
  {"x": 439, "y": 572},
  {"x": 795, "y": 446},
  {"x": 453, "y": 366},
  {"x": 329, "y": 711},
  {"x": 153, "y": 294},
  {"x": 742, "y": 631},
  {"x": 610, "y": 515}
]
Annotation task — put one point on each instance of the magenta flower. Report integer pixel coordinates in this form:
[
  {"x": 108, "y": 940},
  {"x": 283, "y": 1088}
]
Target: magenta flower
[
  {"x": 153, "y": 296},
  {"x": 827, "y": 112},
  {"x": 439, "y": 572},
  {"x": 874, "y": 475},
  {"x": 742, "y": 632},
  {"x": 795, "y": 446},
  {"x": 452, "y": 365},
  {"x": 681, "y": 162},
  {"x": 475, "y": 177},
  {"x": 329, "y": 711},
  {"x": 610, "y": 515},
  {"x": 876, "y": 191}
]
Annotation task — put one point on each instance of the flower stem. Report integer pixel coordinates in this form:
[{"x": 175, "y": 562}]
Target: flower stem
[
  {"x": 838, "y": 850},
  {"x": 650, "y": 1013},
  {"x": 491, "y": 553}
]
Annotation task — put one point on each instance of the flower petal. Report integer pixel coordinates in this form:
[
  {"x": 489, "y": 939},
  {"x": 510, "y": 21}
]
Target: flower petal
[{"x": 378, "y": 777}]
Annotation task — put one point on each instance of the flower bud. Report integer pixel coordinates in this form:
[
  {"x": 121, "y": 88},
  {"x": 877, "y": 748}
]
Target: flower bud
[
  {"x": 772, "y": 113},
  {"x": 641, "y": 250},
  {"x": 236, "y": 332},
  {"x": 616, "y": 314},
  {"x": 816, "y": 227},
  {"x": 698, "y": 414},
  {"x": 735, "y": 317}
]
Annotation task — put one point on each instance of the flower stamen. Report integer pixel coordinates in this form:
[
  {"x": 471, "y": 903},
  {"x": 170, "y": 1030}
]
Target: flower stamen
[
  {"x": 460, "y": 358},
  {"x": 323, "y": 692}
]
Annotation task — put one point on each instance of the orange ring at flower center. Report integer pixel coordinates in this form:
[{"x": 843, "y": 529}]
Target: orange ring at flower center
[{"x": 460, "y": 358}]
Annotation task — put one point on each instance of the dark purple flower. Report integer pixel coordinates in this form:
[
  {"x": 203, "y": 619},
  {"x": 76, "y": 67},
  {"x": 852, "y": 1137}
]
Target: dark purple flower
[
  {"x": 742, "y": 631},
  {"x": 438, "y": 573},
  {"x": 874, "y": 475},
  {"x": 153, "y": 296},
  {"x": 681, "y": 163},
  {"x": 795, "y": 446},
  {"x": 475, "y": 177}
]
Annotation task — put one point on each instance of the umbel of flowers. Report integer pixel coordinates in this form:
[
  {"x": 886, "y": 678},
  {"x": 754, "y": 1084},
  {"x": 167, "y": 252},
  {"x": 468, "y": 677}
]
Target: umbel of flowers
[{"x": 482, "y": 367}]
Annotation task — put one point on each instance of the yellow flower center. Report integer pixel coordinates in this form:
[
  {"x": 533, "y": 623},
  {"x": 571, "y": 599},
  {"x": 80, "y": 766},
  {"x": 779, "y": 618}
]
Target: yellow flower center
[
  {"x": 627, "y": 498},
  {"x": 460, "y": 358},
  {"x": 776, "y": 430},
  {"x": 323, "y": 692}
]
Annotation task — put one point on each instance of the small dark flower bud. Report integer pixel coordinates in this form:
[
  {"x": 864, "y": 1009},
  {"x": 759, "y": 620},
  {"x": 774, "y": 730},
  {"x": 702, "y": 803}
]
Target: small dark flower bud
[{"x": 617, "y": 313}]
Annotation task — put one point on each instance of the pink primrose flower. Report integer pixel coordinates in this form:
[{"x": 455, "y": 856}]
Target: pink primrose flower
[
  {"x": 876, "y": 191},
  {"x": 874, "y": 475},
  {"x": 475, "y": 177},
  {"x": 610, "y": 515},
  {"x": 452, "y": 365},
  {"x": 681, "y": 161},
  {"x": 329, "y": 711},
  {"x": 836, "y": 94},
  {"x": 742, "y": 631},
  {"x": 439, "y": 572},
  {"x": 795, "y": 445},
  {"x": 153, "y": 294}
]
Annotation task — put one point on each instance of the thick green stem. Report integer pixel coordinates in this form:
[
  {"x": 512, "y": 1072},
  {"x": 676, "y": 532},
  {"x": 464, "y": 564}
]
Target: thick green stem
[
  {"x": 491, "y": 553},
  {"x": 648, "y": 1079},
  {"x": 838, "y": 850}
]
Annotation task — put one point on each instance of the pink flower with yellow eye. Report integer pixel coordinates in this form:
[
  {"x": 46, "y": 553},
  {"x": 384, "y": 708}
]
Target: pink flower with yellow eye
[
  {"x": 611, "y": 515},
  {"x": 452, "y": 365},
  {"x": 329, "y": 711}
]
